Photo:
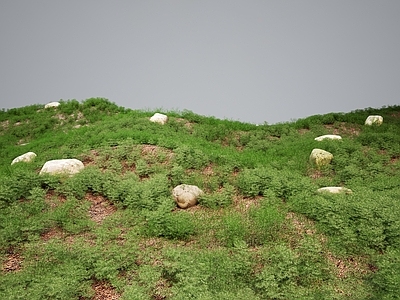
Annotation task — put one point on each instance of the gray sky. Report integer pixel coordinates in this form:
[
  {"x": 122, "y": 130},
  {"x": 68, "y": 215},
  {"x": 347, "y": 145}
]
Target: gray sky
[{"x": 252, "y": 61}]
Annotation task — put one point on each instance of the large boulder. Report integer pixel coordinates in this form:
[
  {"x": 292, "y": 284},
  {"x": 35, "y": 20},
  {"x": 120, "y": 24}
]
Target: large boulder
[
  {"x": 328, "y": 137},
  {"x": 320, "y": 157},
  {"x": 374, "y": 120},
  {"x": 159, "y": 118},
  {"x": 62, "y": 166},
  {"x": 52, "y": 104},
  {"x": 334, "y": 190},
  {"x": 186, "y": 195},
  {"x": 27, "y": 157}
]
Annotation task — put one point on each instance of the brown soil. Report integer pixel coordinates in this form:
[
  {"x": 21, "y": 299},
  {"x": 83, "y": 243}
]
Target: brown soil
[
  {"x": 350, "y": 265},
  {"x": 100, "y": 208},
  {"x": 53, "y": 200},
  {"x": 243, "y": 204},
  {"x": 104, "y": 291},
  {"x": 12, "y": 263},
  {"x": 344, "y": 128},
  {"x": 302, "y": 226},
  {"x": 52, "y": 233}
]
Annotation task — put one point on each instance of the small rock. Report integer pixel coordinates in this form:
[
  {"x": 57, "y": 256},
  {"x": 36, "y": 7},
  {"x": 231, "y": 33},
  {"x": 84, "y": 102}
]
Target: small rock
[
  {"x": 320, "y": 157},
  {"x": 329, "y": 137},
  {"x": 374, "y": 120},
  {"x": 27, "y": 157},
  {"x": 335, "y": 190},
  {"x": 159, "y": 118},
  {"x": 66, "y": 166},
  {"x": 52, "y": 104},
  {"x": 186, "y": 195}
]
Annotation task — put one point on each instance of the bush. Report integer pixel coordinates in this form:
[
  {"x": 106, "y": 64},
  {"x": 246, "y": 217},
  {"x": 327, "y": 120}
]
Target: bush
[
  {"x": 218, "y": 199},
  {"x": 234, "y": 230},
  {"x": 265, "y": 223},
  {"x": 386, "y": 280},
  {"x": 190, "y": 158},
  {"x": 162, "y": 222},
  {"x": 283, "y": 184}
]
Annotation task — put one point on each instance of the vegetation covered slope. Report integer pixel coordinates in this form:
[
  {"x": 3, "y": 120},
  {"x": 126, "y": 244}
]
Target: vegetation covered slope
[{"x": 260, "y": 231}]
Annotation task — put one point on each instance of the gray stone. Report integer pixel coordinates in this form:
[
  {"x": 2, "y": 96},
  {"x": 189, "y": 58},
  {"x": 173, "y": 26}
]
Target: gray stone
[
  {"x": 52, "y": 104},
  {"x": 374, "y": 120},
  {"x": 186, "y": 195},
  {"x": 320, "y": 157},
  {"x": 62, "y": 166},
  {"x": 335, "y": 190},
  {"x": 27, "y": 157},
  {"x": 159, "y": 118},
  {"x": 328, "y": 137}
]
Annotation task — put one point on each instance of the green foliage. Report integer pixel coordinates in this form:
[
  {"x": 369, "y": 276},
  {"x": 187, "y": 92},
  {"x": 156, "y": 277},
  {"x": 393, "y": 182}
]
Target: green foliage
[
  {"x": 283, "y": 184},
  {"x": 386, "y": 280},
  {"x": 208, "y": 274},
  {"x": 55, "y": 274},
  {"x": 293, "y": 274},
  {"x": 71, "y": 215},
  {"x": 234, "y": 230},
  {"x": 172, "y": 225},
  {"x": 261, "y": 230},
  {"x": 356, "y": 222},
  {"x": 218, "y": 199},
  {"x": 190, "y": 158},
  {"x": 265, "y": 223}
]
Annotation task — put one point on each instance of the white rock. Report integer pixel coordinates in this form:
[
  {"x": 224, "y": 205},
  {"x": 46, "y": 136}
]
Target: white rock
[
  {"x": 335, "y": 190},
  {"x": 186, "y": 195},
  {"x": 67, "y": 166},
  {"x": 52, "y": 104},
  {"x": 159, "y": 118},
  {"x": 374, "y": 120},
  {"x": 329, "y": 137},
  {"x": 320, "y": 157},
  {"x": 27, "y": 157}
]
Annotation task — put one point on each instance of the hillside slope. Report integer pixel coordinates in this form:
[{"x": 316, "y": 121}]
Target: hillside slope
[{"x": 260, "y": 230}]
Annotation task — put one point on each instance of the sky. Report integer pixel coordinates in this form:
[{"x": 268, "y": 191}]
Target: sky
[{"x": 252, "y": 61}]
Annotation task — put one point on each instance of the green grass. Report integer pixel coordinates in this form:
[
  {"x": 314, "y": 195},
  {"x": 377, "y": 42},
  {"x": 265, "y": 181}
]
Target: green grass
[{"x": 260, "y": 230}]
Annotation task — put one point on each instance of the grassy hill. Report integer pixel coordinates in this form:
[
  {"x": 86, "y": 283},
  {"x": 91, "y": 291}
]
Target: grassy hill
[{"x": 260, "y": 231}]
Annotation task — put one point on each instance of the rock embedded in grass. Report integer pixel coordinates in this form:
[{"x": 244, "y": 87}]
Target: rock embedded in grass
[
  {"x": 334, "y": 190},
  {"x": 52, "y": 104},
  {"x": 320, "y": 157},
  {"x": 159, "y": 118},
  {"x": 26, "y": 157},
  {"x": 328, "y": 137},
  {"x": 62, "y": 166},
  {"x": 186, "y": 195},
  {"x": 374, "y": 120}
]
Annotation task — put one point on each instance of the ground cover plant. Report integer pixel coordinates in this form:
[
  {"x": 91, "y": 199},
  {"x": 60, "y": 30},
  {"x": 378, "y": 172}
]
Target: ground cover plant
[{"x": 260, "y": 230}]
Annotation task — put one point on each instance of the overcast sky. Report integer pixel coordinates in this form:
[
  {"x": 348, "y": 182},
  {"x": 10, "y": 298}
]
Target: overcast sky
[{"x": 252, "y": 61}]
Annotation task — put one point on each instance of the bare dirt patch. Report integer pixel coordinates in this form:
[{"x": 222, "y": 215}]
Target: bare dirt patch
[
  {"x": 394, "y": 159},
  {"x": 151, "y": 151},
  {"x": 187, "y": 124},
  {"x": 208, "y": 171},
  {"x": 90, "y": 158},
  {"x": 243, "y": 204},
  {"x": 302, "y": 226},
  {"x": 53, "y": 199},
  {"x": 52, "y": 233},
  {"x": 100, "y": 208},
  {"x": 12, "y": 263},
  {"x": 351, "y": 265},
  {"x": 396, "y": 114},
  {"x": 343, "y": 128},
  {"x": 303, "y": 131},
  {"x": 104, "y": 291}
]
